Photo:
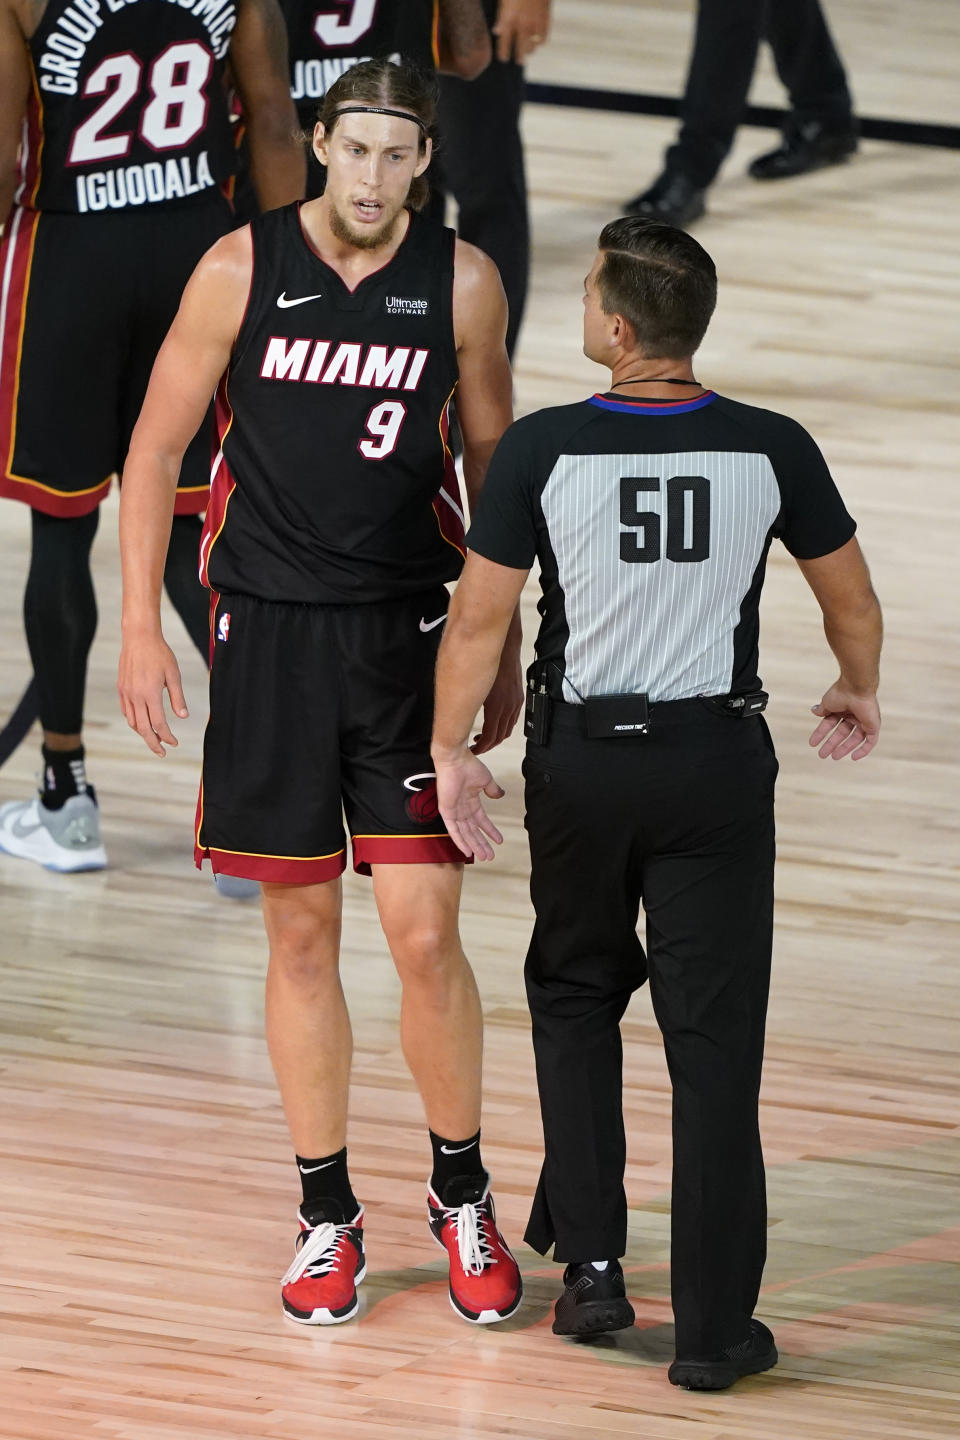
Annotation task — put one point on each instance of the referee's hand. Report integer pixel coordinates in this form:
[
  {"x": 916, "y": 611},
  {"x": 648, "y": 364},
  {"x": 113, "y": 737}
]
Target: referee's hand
[
  {"x": 850, "y": 724},
  {"x": 460, "y": 784}
]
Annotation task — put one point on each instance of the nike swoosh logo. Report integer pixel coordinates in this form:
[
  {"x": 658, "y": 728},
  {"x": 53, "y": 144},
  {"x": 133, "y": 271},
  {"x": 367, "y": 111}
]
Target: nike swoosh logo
[
  {"x": 22, "y": 831},
  {"x": 284, "y": 304},
  {"x": 426, "y": 625},
  {"x": 445, "y": 1149},
  {"x": 312, "y": 1169}
]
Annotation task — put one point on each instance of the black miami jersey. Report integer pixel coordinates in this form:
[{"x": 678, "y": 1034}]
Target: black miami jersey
[
  {"x": 652, "y": 522},
  {"x": 326, "y": 39},
  {"x": 128, "y": 105},
  {"x": 334, "y": 482}
]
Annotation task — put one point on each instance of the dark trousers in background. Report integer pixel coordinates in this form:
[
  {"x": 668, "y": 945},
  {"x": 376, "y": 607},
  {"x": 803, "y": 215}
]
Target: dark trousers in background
[
  {"x": 480, "y": 163},
  {"x": 724, "y": 57},
  {"x": 682, "y": 819}
]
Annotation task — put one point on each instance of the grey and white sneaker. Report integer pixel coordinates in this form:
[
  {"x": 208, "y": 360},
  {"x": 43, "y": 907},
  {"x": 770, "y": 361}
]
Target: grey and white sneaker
[
  {"x": 64, "y": 839},
  {"x": 234, "y": 887}
]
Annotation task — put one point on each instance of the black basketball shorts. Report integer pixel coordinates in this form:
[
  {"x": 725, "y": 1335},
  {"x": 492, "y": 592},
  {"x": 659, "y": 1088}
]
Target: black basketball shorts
[
  {"x": 317, "y": 711},
  {"x": 85, "y": 303}
]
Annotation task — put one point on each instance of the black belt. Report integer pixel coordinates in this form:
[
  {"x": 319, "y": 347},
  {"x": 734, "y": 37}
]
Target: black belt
[{"x": 611, "y": 716}]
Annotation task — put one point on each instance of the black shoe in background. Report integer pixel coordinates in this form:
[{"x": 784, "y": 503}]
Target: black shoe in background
[
  {"x": 671, "y": 198},
  {"x": 593, "y": 1301},
  {"x": 805, "y": 147},
  {"x": 719, "y": 1372}
]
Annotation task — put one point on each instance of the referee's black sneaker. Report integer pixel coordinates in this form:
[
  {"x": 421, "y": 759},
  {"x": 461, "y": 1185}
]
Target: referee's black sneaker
[
  {"x": 719, "y": 1372},
  {"x": 804, "y": 147},
  {"x": 593, "y": 1301},
  {"x": 671, "y": 198}
]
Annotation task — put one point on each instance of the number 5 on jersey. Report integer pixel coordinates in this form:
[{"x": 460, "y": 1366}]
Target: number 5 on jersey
[
  {"x": 383, "y": 424},
  {"x": 688, "y": 519}
]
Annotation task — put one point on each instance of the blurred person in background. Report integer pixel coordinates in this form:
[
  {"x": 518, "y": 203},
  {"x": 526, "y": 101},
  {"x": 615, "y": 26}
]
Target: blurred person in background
[
  {"x": 445, "y": 35},
  {"x": 115, "y": 163},
  {"x": 481, "y": 155},
  {"x": 820, "y": 128}
]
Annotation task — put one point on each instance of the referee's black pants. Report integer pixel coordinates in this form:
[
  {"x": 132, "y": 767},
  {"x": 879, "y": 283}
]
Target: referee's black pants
[
  {"x": 724, "y": 57},
  {"x": 681, "y": 819}
]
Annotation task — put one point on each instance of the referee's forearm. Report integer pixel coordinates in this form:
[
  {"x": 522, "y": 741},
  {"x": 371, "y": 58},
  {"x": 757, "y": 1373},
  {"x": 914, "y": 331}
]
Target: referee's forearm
[
  {"x": 855, "y": 637},
  {"x": 466, "y": 669}
]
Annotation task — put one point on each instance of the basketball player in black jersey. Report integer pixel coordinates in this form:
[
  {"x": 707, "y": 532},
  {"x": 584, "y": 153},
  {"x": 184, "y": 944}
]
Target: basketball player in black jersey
[
  {"x": 338, "y": 331},
  {"x": 446, "y": 35},
  {"x": 115, "y": 156},
  {"x": 450, "y": 35}
]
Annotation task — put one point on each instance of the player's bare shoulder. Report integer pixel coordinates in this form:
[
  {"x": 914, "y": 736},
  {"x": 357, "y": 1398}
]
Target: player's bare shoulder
[
  {"x": 479, "y": 301},
  {"x": 230, "y": 259},
  {"x": 474, "y": 272},
  {"x": 219, "y": 287}
]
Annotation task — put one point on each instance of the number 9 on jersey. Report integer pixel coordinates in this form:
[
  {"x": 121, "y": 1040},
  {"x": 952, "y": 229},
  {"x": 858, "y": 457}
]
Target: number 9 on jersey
[{"x": 383, "y": 424}]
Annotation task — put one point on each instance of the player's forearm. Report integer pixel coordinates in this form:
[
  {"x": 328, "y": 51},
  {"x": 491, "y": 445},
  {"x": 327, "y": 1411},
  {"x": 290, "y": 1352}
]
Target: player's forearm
[
  {"x": 465, "y": 64},
  {"x": 464, "y": 45},
  {"x": 466, "y": 669},
  {"x": 476, "y": 459},
  {"x": 8, "y": 177},
  {"x": 8, "y": 186},
  {"x": 14, "y": 89},
  {"x": 855, "y": 637},
  {"x": 147, "y": 498},
  {"x": 278, "y": 163}
]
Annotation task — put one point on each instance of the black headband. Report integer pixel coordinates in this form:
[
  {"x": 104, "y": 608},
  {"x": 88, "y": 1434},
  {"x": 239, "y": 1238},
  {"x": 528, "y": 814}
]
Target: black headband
[{"x": 379, "y": 110}]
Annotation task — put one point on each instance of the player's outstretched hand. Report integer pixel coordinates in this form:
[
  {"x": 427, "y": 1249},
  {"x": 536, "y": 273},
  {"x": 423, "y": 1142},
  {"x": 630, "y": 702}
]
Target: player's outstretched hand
[
  {"x": 501, "y": 709},
  {"x": 460, "y": 785},
  {"x": 850, "y": 724},
  {"x": 148, "y": 667}
]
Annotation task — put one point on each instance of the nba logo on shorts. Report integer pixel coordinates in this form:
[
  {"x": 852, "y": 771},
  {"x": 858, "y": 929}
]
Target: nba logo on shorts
[{"x": 223, "y": 626}]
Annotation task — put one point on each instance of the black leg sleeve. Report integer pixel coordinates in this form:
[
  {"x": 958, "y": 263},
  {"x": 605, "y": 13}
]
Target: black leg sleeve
[
  {"x": 718, "y": 81},
  {"x": 60, "y": 615},
  {"x": 808, "y": 63},
  {"x": 182, "y": 581}
]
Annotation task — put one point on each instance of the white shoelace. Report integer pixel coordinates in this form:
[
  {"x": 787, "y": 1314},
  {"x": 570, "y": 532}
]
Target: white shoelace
[
  {"x": 318, "y": 1254},
  {"x": 472, "y": 1240}
]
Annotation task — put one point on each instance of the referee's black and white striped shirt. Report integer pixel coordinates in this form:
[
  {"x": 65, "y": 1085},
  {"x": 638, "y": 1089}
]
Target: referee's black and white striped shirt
[{"x": 652, "y": 521}]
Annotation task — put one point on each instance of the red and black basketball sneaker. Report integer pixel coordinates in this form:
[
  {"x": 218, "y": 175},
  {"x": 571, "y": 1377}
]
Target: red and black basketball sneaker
[
  {"x": 485, "y": 1283},
  {"x": 320, "y": 1288}
]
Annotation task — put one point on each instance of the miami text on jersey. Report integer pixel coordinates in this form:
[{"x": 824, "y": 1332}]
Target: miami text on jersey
[{"x": 381, "y": 367}]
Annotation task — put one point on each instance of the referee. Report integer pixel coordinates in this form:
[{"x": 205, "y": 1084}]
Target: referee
[{"x": 650, "y": 771}]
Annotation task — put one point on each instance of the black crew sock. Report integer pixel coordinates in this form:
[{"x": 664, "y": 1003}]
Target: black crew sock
[
  {"x": 458, "y": 1173},
  {"x": 327, "y": 1192},
  {"x": 64, "y": 776}
]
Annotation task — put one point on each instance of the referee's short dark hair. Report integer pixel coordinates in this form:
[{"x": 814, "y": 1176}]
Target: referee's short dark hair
[{"x": 661, "y": 281}]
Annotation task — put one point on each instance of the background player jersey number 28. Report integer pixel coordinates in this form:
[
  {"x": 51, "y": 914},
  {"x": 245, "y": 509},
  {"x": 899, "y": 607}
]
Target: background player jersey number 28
[
  {"x": 133, "y": 103},
  {"x": 175, "y": 112}
]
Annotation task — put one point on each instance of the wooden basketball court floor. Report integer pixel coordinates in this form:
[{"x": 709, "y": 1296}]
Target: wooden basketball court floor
[{"x": 139, "y": 1299}]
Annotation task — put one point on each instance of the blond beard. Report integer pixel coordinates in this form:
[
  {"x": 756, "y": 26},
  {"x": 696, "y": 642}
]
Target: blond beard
[{"x": 362, "y": 239}]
